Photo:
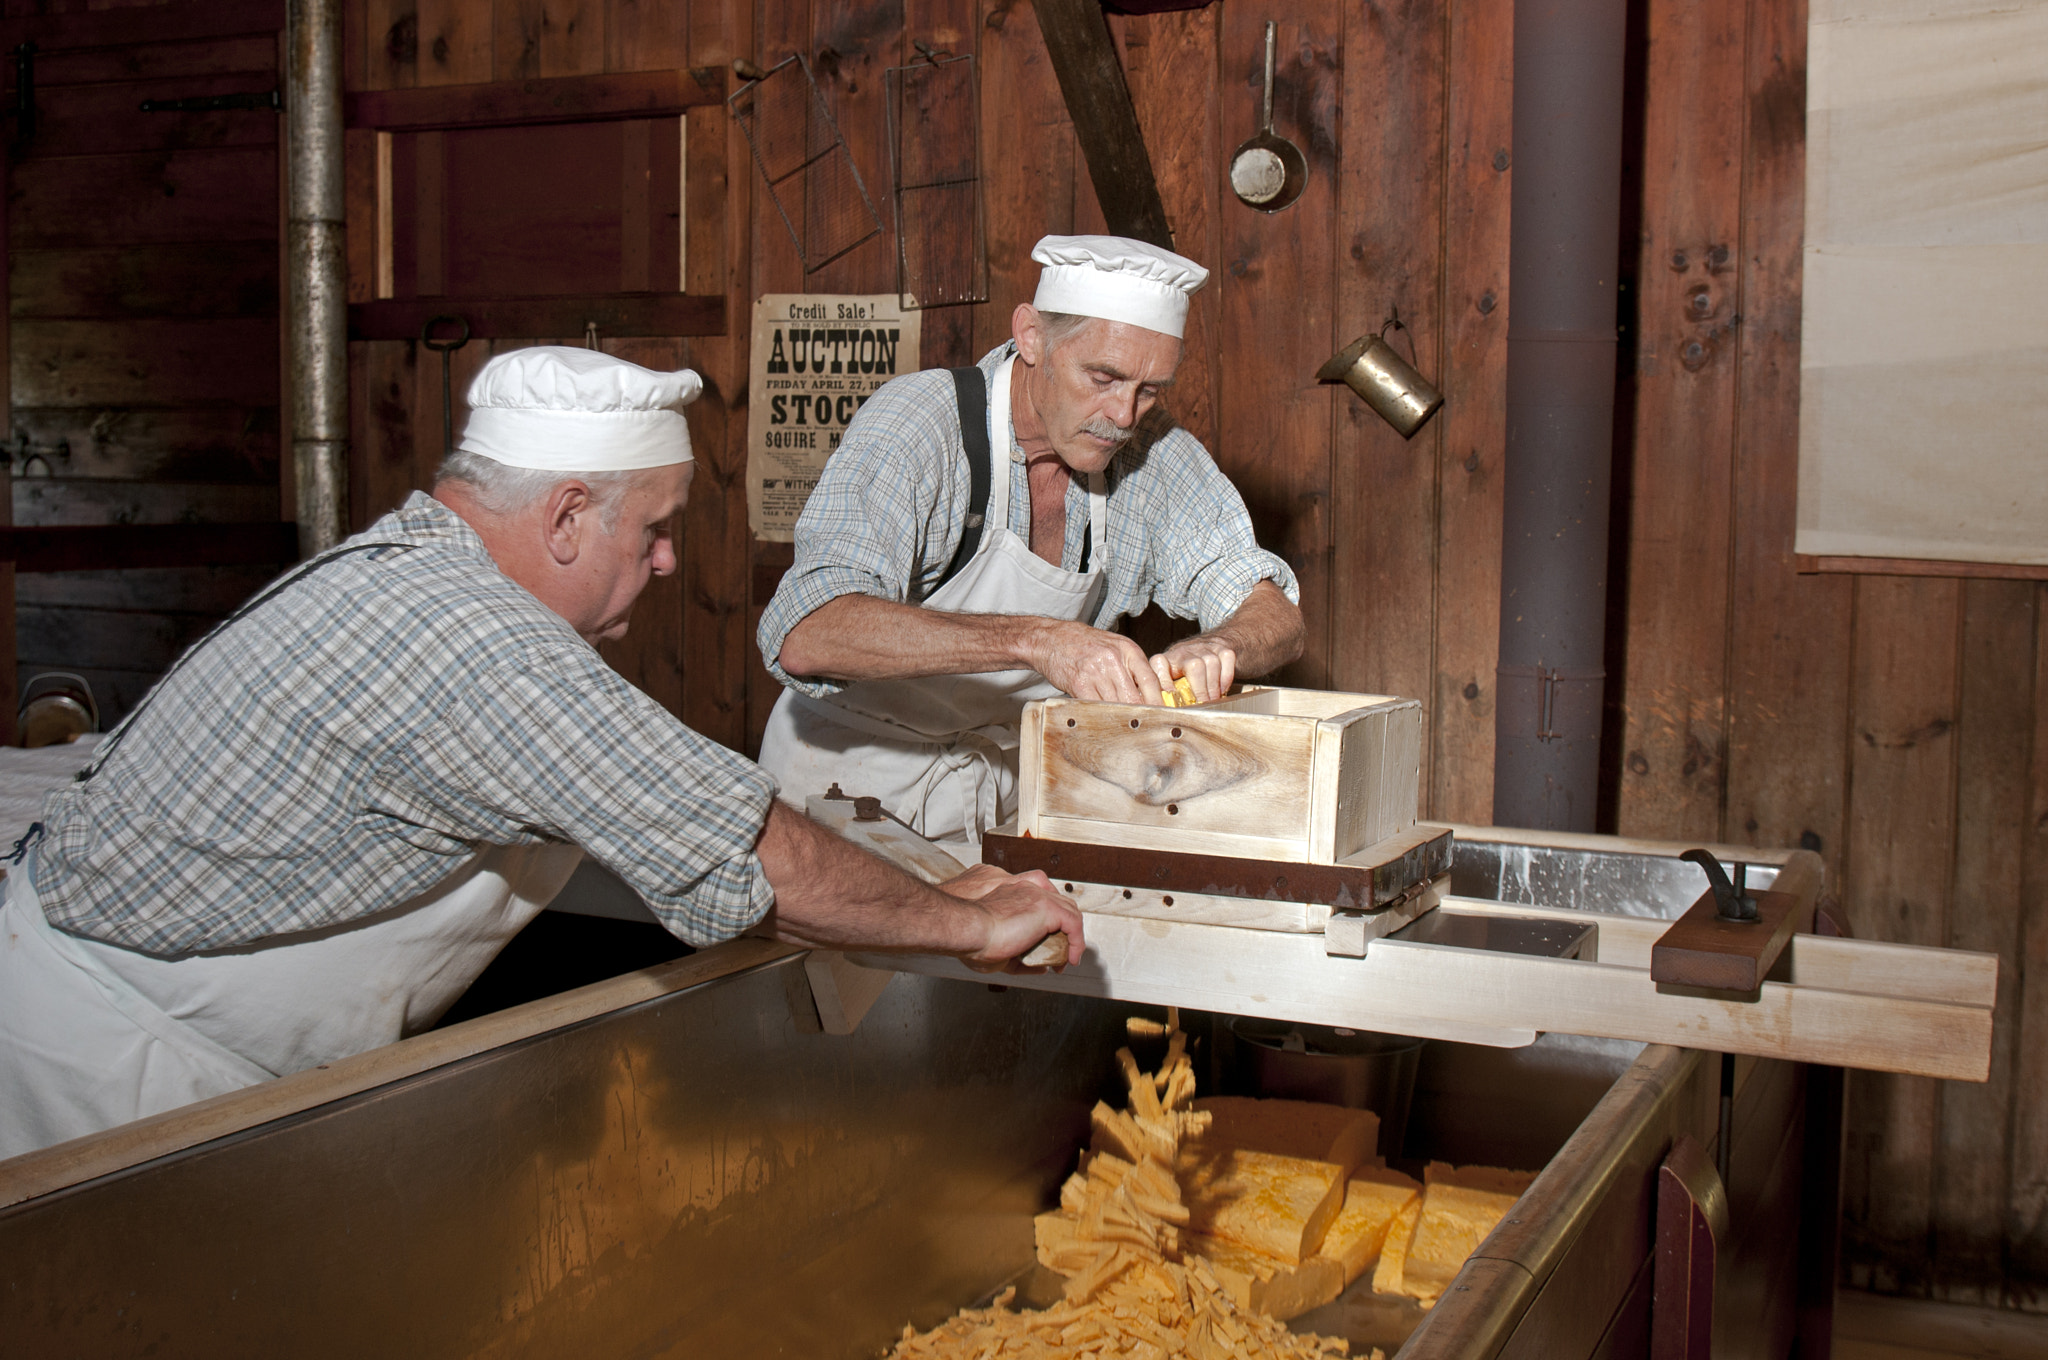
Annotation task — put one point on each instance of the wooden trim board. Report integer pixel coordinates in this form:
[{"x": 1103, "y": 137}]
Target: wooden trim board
[
  {"x": 108, "y": 547},
  {"x": 1363, "y": 881},
  {"x": 559, "y": 99},
  {"x": 1871, "y": 967},
  {"x": 1433, "y": 991},
  {"x": 1810, "y": 564},
  {"x": 530, "y": 318}
]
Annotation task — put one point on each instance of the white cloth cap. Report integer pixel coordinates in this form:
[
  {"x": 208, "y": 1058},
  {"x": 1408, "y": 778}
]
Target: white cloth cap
[
  {"x": 1117, "y": 279},
  {"x": 563, "y": 409}
]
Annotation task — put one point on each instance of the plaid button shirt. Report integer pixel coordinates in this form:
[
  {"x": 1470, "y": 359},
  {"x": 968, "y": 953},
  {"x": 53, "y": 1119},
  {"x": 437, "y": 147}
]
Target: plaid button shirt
[
  {"x": 347, "y": 743},
  {"x": 890, "y": 508}
]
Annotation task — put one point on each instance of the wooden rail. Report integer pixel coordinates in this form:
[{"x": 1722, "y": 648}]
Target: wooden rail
[{"x": 116, "y": 547}]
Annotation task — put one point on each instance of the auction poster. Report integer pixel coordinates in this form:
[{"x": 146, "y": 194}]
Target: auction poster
[{"x": 816, "y": 361}]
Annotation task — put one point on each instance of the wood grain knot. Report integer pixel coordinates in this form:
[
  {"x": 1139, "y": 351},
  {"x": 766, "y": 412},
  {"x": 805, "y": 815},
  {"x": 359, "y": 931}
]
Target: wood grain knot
[{"x": 1159, "y": 771}]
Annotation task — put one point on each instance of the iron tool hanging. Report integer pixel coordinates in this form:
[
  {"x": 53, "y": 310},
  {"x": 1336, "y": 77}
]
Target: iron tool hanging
[
  {"x": 444, "y": 348},
  {"x": 935, "y": 145},
  {"x": 1268, "y": 172},
  {"x": 801, "y": 154}
]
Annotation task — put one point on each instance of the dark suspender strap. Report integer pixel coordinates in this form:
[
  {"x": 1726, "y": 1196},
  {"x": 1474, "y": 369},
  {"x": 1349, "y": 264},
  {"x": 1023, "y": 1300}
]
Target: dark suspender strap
[
  {"x": 270, "y": 592},
  {"x": 970, "y": 393}
]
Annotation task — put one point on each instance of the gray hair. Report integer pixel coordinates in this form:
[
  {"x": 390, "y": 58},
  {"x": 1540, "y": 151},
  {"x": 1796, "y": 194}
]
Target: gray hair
[
  {"x": 1061, "y": 327},
  {"x": 504, "y": 490}
]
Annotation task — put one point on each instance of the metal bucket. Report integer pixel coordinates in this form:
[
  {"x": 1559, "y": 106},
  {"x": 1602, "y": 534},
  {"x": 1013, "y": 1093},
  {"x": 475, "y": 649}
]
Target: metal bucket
[
  {"x": 1358, "y": 1069},
  {"x": 56, "y": 707}
]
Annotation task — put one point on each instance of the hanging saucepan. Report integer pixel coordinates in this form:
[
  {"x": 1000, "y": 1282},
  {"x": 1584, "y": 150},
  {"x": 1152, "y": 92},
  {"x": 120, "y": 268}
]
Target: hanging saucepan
[{"x": 1268, "y": 172}]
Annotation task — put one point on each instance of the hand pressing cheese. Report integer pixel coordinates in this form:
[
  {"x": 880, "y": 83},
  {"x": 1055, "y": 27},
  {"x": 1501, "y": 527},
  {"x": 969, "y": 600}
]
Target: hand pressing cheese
[{"x": 1182, "y": 695}]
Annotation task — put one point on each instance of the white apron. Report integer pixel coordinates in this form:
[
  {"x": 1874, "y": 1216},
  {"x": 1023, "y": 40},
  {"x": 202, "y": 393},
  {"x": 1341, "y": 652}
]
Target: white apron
[
  {"x": 941, "y": 751},
  {"x": 102, "y": 1035}
]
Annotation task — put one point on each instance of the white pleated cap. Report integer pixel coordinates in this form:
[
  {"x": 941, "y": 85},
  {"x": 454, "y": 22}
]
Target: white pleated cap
[
  {"x": 1117, "y": 279},
  {"x": 563, "y": 409}
]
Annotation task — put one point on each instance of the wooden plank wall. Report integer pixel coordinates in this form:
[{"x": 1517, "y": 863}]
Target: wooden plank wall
[
  {"x": 1898, "y": 726},
  {"x": 1365, "y": 518},
  {"x": 144, "y": 356}
]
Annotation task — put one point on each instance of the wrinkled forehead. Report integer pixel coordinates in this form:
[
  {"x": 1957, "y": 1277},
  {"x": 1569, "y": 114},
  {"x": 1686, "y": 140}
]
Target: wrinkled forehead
[{"x": 1128, "y": 351}]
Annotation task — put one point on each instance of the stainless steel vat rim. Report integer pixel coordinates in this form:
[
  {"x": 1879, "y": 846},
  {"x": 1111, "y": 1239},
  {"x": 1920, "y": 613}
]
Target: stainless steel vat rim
[
  {"x": 1613, "y": 845},
  {"x": 68, "y": 1164},
  {"x": 1510, "y": 1268}
]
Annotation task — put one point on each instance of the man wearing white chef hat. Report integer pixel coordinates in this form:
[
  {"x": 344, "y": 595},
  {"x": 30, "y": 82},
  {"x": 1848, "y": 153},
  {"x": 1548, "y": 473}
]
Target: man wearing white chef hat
[
  {"x": 333, "y": 811},
  {"x": 936, "y": 589}
]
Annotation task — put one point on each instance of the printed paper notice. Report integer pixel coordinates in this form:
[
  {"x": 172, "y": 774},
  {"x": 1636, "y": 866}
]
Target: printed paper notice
[{"x": 816, "y": 361}]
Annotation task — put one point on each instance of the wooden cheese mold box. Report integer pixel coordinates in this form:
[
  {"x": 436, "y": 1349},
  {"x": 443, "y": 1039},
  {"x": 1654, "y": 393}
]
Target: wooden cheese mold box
[
  {"x": 1306, "y": 776},
  {"x": 678, "y": 1163}
]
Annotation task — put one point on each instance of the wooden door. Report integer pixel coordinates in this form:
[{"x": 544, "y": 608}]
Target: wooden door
[{"x": 142, "y": 338}]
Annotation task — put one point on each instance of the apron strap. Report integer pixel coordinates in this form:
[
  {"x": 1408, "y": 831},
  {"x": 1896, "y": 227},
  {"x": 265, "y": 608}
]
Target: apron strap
[
  {"x": 970, "y": 394},
  {"x": 276, "y": 588}
]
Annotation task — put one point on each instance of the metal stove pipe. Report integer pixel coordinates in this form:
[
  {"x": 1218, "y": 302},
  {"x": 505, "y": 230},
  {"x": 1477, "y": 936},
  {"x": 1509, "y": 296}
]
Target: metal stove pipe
[
  {"x": 1562, "y": 257},
  {"x": 316, "y": 268}
]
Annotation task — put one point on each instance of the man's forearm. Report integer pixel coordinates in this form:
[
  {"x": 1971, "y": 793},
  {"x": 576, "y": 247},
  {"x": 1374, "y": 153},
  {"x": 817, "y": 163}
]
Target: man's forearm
[
  {"x": 831, "y": 894},
  {"x": 859, "y": 637},
  {"x": 1266, "y": 631}
]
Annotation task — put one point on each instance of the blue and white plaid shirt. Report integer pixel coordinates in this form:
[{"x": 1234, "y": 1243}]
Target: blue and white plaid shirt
[
  {"x": 349, "y": 742},
  {"x": 890, "y": 508}
]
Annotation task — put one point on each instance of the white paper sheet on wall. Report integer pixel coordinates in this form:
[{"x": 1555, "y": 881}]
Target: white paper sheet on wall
[{"x": 1923, "y": 429}]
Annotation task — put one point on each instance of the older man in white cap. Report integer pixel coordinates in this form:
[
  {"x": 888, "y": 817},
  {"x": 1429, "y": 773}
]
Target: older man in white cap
[
  {"x": 935, "y": 589},
  {"x": 326, "y": 819}
]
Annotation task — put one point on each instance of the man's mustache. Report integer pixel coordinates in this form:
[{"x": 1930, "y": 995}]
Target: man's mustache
[{"x": 1102, "y": 428}]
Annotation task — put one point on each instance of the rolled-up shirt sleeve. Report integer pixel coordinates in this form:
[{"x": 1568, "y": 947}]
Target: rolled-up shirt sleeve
[
  {"x": 570, "y": 747},
  {"x": 1200, "y": 554},
  {"x": 884, "y": 519}
]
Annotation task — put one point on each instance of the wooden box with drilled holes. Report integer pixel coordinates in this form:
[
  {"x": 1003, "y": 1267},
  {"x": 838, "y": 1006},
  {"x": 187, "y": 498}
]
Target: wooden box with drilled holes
[{"x": 1300, "y": 775}]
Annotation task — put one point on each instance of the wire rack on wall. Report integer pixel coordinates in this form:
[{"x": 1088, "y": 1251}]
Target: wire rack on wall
[
  {"x": 935, "y": 144},
  {"x": 810, "y": 173}
]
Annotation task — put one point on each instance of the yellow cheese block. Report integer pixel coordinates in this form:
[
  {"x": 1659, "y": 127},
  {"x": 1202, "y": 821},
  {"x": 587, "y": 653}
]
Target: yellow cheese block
[
  {"x": 1293, "y": 1128},
  {"x": 1266, "y": 1284},
  {"x": 1372, "y": 1201},
  {"x": 1273, "y": 1204},
  {"x": 1182, "y": 695},
  {"x": 1389, "y": 1275},
  {"x": 1460, "y": 1206}
]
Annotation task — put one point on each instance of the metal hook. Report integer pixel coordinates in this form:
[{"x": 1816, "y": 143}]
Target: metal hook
[
  {"x": 1394, "y": 322},
  {"x": 1731, "y": 902},
  {"x": 925, "y": 50}
]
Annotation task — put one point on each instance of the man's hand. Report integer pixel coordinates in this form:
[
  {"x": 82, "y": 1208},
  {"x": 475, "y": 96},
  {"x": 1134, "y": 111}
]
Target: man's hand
[
  {"x": 1022, "y": 909},
  {"x": 1263, "y": 634},
  {"x": 830, "y": 894},
  {"x": 1208, "y": 662},
  {"x": 1089, "y": 663}
]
